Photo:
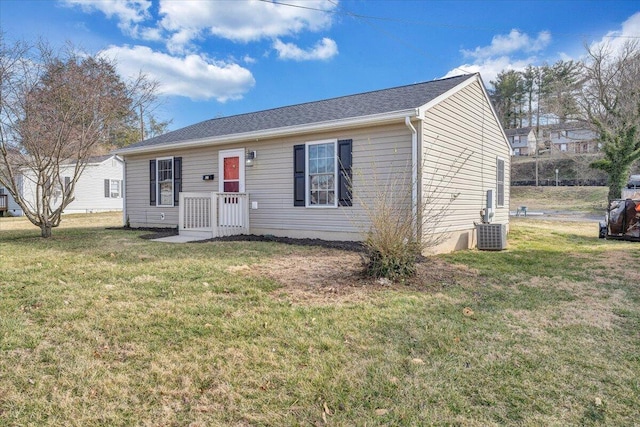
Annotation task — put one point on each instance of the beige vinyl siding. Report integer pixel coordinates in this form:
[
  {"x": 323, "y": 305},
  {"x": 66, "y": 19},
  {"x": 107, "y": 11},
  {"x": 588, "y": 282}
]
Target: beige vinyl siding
[
  {"x": 461, "y": 143},
  {"x": 377, "y": 152},
  {"x": 137, "y": 209}
]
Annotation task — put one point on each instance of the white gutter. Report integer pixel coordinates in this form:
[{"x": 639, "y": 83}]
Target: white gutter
[
  {"x": 273, "y": 133},
  {"x": 414, "y": 170}
]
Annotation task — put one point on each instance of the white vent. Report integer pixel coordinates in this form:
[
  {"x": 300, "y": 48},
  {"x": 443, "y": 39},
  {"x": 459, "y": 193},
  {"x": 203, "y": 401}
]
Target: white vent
[{"x": 491, "y": 237}]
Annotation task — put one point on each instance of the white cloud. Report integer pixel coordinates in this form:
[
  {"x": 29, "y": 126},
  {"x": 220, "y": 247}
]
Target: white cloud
[
  {"x": 242, "y": 21},
  {"x": 192, "y": 76},
  {"x": 513, "y": 51},
  {"x": 517, "y": 50},
  {"x": 323, "y": 50},
  {"x": 490, "y": 68},
  {"x": 181, "y": 24},
  {"x": 514, "y": 42},
  {"x": 129, "y": 13},
  {"x": 615, "y": 40}
]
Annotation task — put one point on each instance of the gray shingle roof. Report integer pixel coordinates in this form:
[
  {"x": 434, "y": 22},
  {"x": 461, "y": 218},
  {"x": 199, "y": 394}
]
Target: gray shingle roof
[
  {"x": 346, "y": 107},
  {"x": 518, "y": 131}
]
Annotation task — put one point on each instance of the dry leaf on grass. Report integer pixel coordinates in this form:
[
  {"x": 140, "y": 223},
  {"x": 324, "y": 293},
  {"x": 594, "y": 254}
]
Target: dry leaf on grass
[
  {"x": 326, "y": 409},
  {"x": 380, "y": 412}
]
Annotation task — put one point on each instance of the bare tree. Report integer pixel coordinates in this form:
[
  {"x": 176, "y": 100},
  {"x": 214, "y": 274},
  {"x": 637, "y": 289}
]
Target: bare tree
[
  {"x": 140, "y": 123},
  {"x": 56, "y": 110},
  {"x": 610, "y": 100}
]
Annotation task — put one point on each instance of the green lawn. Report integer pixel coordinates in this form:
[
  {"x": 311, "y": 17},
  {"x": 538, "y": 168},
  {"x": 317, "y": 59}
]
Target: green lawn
[
  {"x": 100, "y": 327},
  {"x": 591, "y": 200}
]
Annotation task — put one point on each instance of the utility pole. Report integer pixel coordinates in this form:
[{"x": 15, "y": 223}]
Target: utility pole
[
  {"x": 141, "y": 124},
  {"x": 536, "y": 157}
]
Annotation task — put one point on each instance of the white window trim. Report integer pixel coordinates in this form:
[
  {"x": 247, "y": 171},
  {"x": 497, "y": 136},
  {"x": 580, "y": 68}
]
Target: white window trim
[
  {"x": 118, "y": 194},
  {"x": 173, "y": 172},
  {"x": 504, "y": 175},
  {"x": 336, "y": 171}
]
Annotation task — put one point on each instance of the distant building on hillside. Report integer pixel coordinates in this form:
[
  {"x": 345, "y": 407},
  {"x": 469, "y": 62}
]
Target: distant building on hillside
[
  {"x": 523, "y": 141},
  {"x": 570, "y": 138}
]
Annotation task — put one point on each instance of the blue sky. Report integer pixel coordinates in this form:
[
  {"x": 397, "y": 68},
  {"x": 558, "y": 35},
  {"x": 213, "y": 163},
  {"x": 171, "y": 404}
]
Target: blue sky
[{"x": 224, "y": 57}]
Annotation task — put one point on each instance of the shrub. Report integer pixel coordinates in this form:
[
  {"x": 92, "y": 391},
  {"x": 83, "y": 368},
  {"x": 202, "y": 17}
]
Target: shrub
[
  {"x": 392, "y": 247},
  {"x": 400, "y": 228}
]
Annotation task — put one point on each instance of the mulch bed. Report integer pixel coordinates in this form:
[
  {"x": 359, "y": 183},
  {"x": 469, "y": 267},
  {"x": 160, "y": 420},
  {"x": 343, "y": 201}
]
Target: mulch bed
[
  {"x": 157, "y": 233},
  {"x": 341, "y": 245}
]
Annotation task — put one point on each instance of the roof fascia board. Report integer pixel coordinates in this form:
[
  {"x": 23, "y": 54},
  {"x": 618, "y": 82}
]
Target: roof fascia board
[{"x": 274, "y": 133}]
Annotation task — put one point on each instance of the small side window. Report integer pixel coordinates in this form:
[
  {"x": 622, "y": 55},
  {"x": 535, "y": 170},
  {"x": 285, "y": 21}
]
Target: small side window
[{"x": 500, "y": 183}]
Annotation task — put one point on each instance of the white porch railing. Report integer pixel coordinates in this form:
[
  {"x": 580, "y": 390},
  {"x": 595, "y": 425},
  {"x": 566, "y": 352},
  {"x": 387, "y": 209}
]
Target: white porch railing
[{"x": 211, "y": 214}]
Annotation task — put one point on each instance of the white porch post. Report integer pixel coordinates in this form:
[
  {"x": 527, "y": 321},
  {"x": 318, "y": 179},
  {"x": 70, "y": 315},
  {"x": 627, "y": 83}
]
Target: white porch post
[
  {"x": 214, "y": 215},
  {"x": 181, "y": 212}
]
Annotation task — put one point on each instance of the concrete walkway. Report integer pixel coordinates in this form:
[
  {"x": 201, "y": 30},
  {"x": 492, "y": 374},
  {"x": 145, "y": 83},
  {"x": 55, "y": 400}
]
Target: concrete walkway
[{"x": 178, "y": 239}]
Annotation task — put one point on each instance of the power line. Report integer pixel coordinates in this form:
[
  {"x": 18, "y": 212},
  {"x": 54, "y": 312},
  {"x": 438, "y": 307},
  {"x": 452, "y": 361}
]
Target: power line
[
  {"x": 392, "y": 36},
  {"x": 428, "y": 23}
]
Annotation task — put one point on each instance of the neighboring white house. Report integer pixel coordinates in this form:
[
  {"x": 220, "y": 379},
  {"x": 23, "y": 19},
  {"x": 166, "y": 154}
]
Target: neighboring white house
[
  {"x": 523, "y": 141},
  {"x": 99, "y": 188},
  {"x": 312, "y": 170},
  {"x": 8, "y": 206}
]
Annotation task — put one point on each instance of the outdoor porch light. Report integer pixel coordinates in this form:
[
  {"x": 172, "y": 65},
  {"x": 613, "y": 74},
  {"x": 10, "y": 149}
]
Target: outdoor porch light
[{"x": 250, "y": 157}]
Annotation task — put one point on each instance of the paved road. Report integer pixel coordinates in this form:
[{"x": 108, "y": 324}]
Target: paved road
[{"x": 561, "y": 216}]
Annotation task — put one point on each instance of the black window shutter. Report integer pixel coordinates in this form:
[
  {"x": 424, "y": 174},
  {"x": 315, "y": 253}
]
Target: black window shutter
[
  {"x": 177, "y": 179},
  {"x": 298, "y": 175},
  {"x": 107, "y": 189},
  {"x": 152, "y": 182},
  {"x": 346, "y": 174},
  {"x": 121, "y": 189}
]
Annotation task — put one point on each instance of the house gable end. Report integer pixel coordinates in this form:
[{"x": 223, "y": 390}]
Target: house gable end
[{"x": 457, "y": 89}]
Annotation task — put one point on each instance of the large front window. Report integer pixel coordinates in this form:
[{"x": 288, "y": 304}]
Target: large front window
[
  {"x": 165, "y": 182},
  {"x": 321, "y": 176}
]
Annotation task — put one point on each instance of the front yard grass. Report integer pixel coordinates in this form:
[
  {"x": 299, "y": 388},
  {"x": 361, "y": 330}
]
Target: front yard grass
[{"x": 100, "y": 327}]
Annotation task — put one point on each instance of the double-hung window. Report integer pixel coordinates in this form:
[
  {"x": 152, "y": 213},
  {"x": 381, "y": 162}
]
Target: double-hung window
[
  {"x": 500, "y": 182},
  {"x": 165, "y": 182},
  {"x": 322, "y": 173},
  {"x": 321, "y": 177},
  {"x": 112, "y": 188},
  {"x": 165, "y": 177}
]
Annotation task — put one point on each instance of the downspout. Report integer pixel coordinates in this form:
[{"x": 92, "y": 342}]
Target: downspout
[
  {"x": 414, "y": 175},
  {"x": 124, "y": 193}
]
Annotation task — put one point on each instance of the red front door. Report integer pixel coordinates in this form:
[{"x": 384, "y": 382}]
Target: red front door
[{"x": 231, "y": 175}]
